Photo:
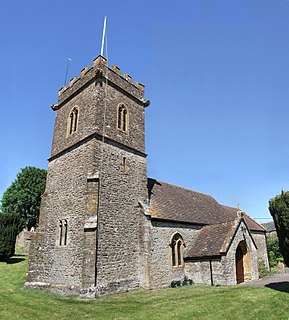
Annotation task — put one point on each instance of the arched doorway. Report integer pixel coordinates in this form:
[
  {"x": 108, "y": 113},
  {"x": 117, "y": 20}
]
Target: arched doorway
[{"x": 243, "y": 265}]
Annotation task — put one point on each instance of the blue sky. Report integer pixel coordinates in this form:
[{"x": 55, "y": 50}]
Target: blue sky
[{"x": 216, "y": 73}]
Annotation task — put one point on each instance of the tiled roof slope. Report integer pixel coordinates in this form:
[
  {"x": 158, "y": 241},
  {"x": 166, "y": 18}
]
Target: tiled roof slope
[
  {"x": 170, "y": 202},
  {"x": 269, "y": 226},
  {"x": 252, "y": 224},
  {"x": 210, "y": 240}
]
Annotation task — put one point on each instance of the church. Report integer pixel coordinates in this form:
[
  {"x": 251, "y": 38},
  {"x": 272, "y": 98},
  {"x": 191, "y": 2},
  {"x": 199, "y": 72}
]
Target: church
[{"x": 104, "y": 227}]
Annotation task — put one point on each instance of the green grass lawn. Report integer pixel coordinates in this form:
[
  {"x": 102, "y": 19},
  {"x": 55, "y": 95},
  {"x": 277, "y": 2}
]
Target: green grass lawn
[{"x": 195, "y": 302}]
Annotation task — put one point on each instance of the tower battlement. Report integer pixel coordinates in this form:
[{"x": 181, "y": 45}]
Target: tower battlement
[{"x": 101, "y": 69}]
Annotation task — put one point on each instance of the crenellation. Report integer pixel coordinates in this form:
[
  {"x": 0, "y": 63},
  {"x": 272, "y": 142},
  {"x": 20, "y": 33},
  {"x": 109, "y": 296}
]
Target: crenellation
[
  {"x": 99, "y": 60},
  {"x": 61, "y": 90},
  {"x": 116, "y": 69},
  {"x": 84, "y": 71},
  {"x": 99, "y": 64},
  {"x": 127, "y": 77},
  {"x": 73, "y": 80},
  {"x": 139, "y": 86}
]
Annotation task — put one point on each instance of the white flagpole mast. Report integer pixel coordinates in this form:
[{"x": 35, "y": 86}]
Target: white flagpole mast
[
  {"x": 66, "y": 73},
  {"x": 103, "y": 35}
]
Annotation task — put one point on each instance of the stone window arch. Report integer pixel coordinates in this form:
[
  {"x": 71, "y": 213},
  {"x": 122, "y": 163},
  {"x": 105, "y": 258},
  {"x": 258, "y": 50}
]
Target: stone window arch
[
  {"x": 122, "y": 118},
  {"x": 177, "y": 250},
  {"x": 72, "y": 123}
]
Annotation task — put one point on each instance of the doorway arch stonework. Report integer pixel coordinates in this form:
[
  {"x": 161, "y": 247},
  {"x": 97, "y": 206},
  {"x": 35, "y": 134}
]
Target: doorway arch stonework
[{"x": 243, "y": 263}]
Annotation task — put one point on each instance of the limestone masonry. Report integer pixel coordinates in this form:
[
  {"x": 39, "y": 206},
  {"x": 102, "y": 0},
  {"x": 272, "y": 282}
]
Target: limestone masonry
[{"x": 104, "y": 227}]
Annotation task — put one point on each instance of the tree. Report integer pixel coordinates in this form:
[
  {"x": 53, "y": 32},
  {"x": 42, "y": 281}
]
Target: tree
[
  {"x": 10, "y": 225},
  {"x": 24, "y": 195},
  {"x": 279, "y": 209},
  {"x": 273, "y": 250}
]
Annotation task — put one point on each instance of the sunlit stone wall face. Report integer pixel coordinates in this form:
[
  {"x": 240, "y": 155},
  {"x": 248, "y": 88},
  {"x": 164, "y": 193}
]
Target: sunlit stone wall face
[{"x": 96, "y": 179}]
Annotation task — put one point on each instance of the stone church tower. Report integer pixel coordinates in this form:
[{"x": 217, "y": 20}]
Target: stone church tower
[{"x": 91, "y": 235}]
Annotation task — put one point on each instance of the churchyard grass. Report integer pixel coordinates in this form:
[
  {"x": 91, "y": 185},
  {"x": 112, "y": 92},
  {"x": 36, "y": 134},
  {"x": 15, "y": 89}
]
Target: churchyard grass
[{"x": 194, "y": 302}]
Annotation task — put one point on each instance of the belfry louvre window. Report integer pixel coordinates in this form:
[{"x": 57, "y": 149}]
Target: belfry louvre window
[
  {"x": 177, "y": 250},
  {"x": 73, "y": 121},
  {"x": 62, "y": 232},
  {"x": 122, "y": 118}
]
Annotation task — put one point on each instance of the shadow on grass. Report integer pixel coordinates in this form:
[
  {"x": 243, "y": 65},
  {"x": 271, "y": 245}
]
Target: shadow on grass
[
  {"x": 279, "y": 286},
  {"x": 13, "y": 260}
]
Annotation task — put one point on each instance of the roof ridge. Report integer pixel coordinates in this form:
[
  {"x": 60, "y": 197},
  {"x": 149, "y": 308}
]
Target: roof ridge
[
  {"x": 238, "y": 209},
  {"x": 180, "y": 187}
]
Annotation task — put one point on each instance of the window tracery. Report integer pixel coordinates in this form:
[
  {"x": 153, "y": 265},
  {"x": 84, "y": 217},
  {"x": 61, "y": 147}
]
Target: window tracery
[{"x": 177, "y": 250}]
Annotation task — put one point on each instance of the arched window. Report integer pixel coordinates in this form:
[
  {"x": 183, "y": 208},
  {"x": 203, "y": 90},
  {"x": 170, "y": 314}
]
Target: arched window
[
  {"x": 62, "y": 227},
  {"x": 72, "y": 121},
  {"x": 60, "y": 233},
  {"x": 65, "y": 233},
  {"x": 122, "y": 118},
  {"x": 177, "y": 250}
]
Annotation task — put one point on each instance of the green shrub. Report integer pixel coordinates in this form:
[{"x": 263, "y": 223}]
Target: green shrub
[
  {"x": 10, "y": 225},
  {"x": 273, "y": 250},
  {"x": 272, "y": 259},
  {"x": 279, "y": 209},
  {"x": 263, "y": 271}
]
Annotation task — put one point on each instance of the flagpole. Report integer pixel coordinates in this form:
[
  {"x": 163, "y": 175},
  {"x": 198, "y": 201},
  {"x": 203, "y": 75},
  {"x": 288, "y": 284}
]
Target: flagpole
[
  {"x": 66, "y": 73},
  {"x": 103, "y": 35}
]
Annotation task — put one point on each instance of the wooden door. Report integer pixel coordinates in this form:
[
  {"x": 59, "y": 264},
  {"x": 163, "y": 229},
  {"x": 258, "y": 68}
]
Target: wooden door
[{"x": 239, "y": 265}]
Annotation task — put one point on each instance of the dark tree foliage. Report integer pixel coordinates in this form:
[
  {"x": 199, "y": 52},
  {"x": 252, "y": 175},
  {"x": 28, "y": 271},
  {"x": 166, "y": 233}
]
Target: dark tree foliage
[
  {"x": 24, "y": 195},
  {"x": 279, "y": 209},
  {"x": 10, "y": 225},
  {"x": 273, "y": 250}
]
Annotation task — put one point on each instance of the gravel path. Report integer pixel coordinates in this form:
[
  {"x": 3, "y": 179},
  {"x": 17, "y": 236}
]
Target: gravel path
[{"x": 276, "y": 281}]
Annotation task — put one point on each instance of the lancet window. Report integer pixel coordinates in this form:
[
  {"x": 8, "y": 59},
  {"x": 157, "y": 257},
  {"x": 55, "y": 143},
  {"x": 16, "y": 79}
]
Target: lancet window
[
  {"x": 73, "y": 121},
  {"x": 62, "y": 232},
  {"x": 177, "y": 250},
  {"x": 122, "y": 118}
]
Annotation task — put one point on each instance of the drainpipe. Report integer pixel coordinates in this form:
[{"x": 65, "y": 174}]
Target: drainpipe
[{"x": 211, "y": 272}]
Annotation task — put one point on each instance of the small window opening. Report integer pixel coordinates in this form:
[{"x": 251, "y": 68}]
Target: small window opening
[
  {"x": 75, "y": 120},
  {"x": 60, "y": 233},
  {"x": 124, "y": 164},
  {"x": 124, "y": 114},
  {"x": 119, "y": 117},
  {"x": 65, "y": 233},
  {"x": 71, "y": 123},
  {"x": 122, "y": 117},
  {"x": 173, "y": 253},
  {"x": 179, "y": 244}
]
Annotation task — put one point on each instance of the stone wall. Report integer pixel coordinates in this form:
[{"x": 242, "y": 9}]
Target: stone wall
[
  {"x": 207, "y": 271},
  {"x": 120, "y": 221},
  {"x": 23, "y": 240},
  {"x": 89, "y": 186},
  {"x": 242, "y": 234},
  {"x": 224, "y": 269},
  {"x": 64, "y": 199},
  {"x": 162, "y": 271},
  {"x": 97, "y": 103},
  {"x": 260, "y": 240}
]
